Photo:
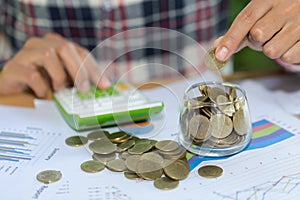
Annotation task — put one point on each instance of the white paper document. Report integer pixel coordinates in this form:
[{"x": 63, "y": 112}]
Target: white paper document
[{"x": 33, "y": 140}]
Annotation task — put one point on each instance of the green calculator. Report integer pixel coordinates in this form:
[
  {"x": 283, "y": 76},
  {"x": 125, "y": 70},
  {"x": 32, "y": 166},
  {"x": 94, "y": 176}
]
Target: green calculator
[{"x": 121, "y": 103}]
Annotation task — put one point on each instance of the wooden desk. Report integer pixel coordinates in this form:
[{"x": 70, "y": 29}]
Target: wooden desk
[
  {"x": 22, "y": 99},
  {"x": 26, "y": 99}
]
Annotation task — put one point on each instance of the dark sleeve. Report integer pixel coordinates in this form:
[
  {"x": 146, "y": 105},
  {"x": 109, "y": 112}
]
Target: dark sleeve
[{"x": 2, "y": 64}]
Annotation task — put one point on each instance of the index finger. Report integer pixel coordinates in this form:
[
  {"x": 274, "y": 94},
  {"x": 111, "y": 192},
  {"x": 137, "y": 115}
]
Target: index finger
[
  {"x": 93, "y": 69},
  {"x": 241, "y": 27},
  {"x": 69, "y": 54}
]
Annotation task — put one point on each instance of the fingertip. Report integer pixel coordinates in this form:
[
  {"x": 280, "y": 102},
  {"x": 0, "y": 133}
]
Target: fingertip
[
  {"x": 104, "y": 83},
  {"x": 222, "y": 53},
  {"x": 84, "y": 86},
  {"x": 42, "y": 95},
  {"x": 60, "y": 87},
  {"x": 38, "y": 85}
]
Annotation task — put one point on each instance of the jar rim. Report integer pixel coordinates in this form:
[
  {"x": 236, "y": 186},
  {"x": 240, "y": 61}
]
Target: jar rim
[{"x": 224, "y": 84}]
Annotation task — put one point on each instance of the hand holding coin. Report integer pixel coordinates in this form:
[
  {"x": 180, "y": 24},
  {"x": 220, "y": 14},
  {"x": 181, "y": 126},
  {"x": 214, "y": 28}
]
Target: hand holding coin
[{"x": 273, "y": 24}]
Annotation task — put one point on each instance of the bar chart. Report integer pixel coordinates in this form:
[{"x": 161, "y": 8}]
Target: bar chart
[
  {"x": 264, "y": 133},
  {"x": 24, "y": 147}
]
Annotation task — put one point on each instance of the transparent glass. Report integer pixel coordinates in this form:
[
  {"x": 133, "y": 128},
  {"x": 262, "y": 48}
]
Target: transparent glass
[{"x": 215, "y": 119}]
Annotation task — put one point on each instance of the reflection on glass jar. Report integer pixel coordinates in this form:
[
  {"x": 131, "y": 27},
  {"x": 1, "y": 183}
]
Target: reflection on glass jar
[{"x": 215, "y": 119}]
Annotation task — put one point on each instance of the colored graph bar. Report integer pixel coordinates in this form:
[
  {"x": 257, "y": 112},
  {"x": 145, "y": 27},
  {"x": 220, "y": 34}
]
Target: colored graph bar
[
  {"x": 15, "y": 135},
  {"x": 14, "y": 157},
  {"x": 269, "y": 140},
  {"x": 12, "y": 151},
  {"x": 261, "y": 127},
  {"x": 297, "y": 116},
  {"x": 264, "y": 133},
  {"x": 15, "y": 147},
  {"x": 8, "y": 159},
  {"x": 14, "y": 142}
]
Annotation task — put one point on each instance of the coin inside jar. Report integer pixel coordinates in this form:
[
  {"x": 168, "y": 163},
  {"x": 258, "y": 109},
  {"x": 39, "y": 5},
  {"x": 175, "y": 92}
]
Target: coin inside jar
[
  {"x": 220, "y": 126},
  {"x": 215, "y": 119},
  {"x": 198, "y": 127},
  {"x": 240, "y": 122}
]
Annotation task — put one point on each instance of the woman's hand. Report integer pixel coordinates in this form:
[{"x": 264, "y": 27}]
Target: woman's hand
[
  {"x": 272, "y": 26},
  {"x": 56, "y": 56}
]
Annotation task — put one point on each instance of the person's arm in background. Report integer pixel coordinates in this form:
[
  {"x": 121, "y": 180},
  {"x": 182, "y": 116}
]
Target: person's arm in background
[
  {"x": 43, "y": 61},
  {"x": 271, "y": 26},
  {"x": 59, "y": 58}
]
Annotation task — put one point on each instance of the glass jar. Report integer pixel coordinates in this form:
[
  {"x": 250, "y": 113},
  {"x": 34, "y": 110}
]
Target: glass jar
[{"x": 215, "y": 119}]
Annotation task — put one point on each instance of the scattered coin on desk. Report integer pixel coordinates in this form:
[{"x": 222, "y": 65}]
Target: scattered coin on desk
[
  {"x": 132, "y": 176},
  {"x": 177, "y": 170},
  {"x": 163, "y": 162},
  {"x": 49, "y": 176},
  {"x": 76, "y": 141},
  {"x": 97, "y": 135},
  {"x": 102, "y": 147},
  {"x": 212, "y": 62},
  {"x": 92, "y": 166},
  {"x": 104, "y": 158},
  {"x": 117, "y": 165},
  {"x": 165, "y": 183},
  {"x": 210, "y": 171}
]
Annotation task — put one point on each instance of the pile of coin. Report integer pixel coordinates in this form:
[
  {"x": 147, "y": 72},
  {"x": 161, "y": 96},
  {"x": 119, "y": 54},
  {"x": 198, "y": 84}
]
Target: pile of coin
[
  {"x": 163, "y": 162},
  {"x": 217, "y": 118}
]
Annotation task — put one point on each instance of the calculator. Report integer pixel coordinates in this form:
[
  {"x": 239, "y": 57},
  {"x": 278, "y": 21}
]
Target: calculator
[{"x": 119, "y": 104}]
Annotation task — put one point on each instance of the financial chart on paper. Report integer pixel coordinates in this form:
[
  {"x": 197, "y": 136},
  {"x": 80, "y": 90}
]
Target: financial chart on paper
[
  {"x": 267, "y": 169},
  {"x": 25, "y": 147}
]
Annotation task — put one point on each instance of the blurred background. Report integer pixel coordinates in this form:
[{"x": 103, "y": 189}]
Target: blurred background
[{"x": 247, "y": 59}]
